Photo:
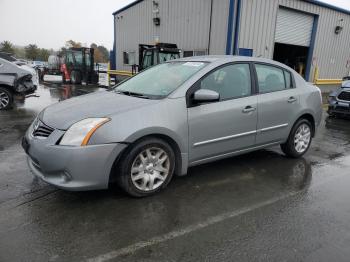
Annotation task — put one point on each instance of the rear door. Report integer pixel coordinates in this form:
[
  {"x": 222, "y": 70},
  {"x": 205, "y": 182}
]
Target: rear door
[
  {"x": 227, "y": 125},
  {"x": 278, "y": 103}
]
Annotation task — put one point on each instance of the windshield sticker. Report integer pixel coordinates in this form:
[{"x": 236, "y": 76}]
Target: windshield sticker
[{"x": 195, "y": 64}]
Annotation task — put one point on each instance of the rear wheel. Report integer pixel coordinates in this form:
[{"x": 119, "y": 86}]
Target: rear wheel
[
  {"x": 299, "y": 139},
  {"x": 6, "y": 99},
  {"x": 75, "y": 77},
  {"x": 146, "y": 168}
]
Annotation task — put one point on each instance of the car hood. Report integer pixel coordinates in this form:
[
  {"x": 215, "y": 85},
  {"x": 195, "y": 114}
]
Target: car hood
[
  {"x": 99, "y": 104},
  {"x": 11, "y": 68}
]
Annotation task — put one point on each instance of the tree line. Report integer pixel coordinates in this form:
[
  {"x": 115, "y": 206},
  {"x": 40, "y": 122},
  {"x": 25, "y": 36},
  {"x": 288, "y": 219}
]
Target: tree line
[{"x": 33, "y": 52}]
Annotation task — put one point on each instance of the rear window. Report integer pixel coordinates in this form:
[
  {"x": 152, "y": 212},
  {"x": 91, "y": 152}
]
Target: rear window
[{"x": 272, "y": 79}]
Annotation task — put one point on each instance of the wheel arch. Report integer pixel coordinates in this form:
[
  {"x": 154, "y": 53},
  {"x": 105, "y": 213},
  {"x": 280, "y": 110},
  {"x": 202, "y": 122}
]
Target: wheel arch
[
  {"x": 308, "y": 116},
  {"x": 7, "y": 87},
  {"x": 171, "y": 141}
]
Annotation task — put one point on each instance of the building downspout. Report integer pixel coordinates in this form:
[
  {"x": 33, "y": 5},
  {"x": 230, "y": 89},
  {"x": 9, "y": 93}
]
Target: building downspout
[
  {"x": 210, "y": 22},
  {"x": 237, "y": 25},
  {"x": 114, "y": 45},
  {"x": 230, "y": 27}
]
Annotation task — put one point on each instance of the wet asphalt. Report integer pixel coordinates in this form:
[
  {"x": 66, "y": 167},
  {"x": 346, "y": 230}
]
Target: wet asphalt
[{"x": 255, "y": 207}]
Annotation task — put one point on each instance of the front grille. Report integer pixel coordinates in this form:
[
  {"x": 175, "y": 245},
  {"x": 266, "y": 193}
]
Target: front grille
[
  {"x": 342, "y": 108},
  {"x": 344, "y": 96},
  {"x": 42, "y": 130}
]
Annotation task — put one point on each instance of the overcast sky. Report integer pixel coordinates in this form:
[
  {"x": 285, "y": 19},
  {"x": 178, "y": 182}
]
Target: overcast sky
[{"x": 49, "y": 23}]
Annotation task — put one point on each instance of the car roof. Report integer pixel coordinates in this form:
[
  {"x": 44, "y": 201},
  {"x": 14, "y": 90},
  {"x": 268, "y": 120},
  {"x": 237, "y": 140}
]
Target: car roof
[{"x": 222, "y": 59}]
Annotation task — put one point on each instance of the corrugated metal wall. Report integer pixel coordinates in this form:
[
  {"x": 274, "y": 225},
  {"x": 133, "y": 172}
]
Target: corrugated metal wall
[
  {"x": 186, "y": 23},
  {"x": 183, "y": 22},
  {"x": 331, "y": 53}
]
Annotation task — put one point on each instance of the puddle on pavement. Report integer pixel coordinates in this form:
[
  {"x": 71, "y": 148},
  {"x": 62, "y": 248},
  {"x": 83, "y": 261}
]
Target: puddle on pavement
[{"x": 52, "y": 93}]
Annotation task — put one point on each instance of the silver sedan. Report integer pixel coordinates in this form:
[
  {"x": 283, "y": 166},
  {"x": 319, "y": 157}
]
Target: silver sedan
[{"x": 172, "y": 116}]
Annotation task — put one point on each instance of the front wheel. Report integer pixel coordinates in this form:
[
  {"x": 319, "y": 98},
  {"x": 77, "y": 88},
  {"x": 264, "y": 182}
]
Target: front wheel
[
  {"x": 146, "y": 168},
  {"x": 299, "y": 139},
  {"x": 6, "y": 99}
]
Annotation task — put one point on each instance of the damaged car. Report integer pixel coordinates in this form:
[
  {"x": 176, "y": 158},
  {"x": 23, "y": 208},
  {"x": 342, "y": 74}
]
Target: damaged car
[
  {"x": 339, "y": 100},
  {"x": 23, "y": 64},
  {"x": 14, "y": 80}
]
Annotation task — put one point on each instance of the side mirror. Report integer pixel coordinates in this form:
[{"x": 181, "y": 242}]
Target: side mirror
[{"x": 206, "y": 96}]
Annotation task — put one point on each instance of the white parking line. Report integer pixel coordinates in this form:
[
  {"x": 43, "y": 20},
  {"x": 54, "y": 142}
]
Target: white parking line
[{"x": 181, "y": 232}]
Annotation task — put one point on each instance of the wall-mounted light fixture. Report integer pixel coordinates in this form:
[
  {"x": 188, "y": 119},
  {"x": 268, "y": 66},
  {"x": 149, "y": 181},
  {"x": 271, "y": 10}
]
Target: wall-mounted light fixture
[
  {"x": 339, "y": 27},
  {"x": 156, "y": 21},
  {"x": 155, "y": 7}
]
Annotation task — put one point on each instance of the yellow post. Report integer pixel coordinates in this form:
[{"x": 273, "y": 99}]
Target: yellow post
[
  {"x": 316, "y": 74},
  {"x": 108, "y": 75}
]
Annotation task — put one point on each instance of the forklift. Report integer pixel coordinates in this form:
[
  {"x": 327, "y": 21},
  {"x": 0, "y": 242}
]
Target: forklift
[
  {"x": 150, "y": 55},
  {"x": 77, "y": 66}
]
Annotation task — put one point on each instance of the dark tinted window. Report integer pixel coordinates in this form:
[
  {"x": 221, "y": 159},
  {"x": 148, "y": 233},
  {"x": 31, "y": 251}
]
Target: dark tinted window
[
  {"x": 270, "y": 78},
  {"x": 129, "y": 58},
  {"x": 188, "y": 53},
  {"x": 230, "y": 81}
]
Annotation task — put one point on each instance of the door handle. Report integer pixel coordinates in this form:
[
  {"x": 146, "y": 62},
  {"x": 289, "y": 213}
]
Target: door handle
[
  {"x": 292, "y": 99},
  {"x": 248, "y": 109}
]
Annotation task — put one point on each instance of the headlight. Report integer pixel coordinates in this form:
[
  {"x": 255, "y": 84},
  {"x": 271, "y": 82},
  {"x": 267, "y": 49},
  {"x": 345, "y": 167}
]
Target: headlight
[{"x": 80, "y": 133}]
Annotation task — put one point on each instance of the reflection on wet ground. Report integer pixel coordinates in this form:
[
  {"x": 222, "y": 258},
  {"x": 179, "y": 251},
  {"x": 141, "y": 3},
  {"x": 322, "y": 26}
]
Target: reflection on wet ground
[
  {"x": 51, "y": 93},
  {"x": 260, "y": 206}
]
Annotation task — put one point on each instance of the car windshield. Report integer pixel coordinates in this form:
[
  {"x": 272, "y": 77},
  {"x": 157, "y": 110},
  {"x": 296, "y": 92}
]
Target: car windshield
[{"x": 159, "y": 81}]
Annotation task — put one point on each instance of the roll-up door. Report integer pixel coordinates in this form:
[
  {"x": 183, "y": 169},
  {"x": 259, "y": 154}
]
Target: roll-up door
[{"x": 293, "y": 27}]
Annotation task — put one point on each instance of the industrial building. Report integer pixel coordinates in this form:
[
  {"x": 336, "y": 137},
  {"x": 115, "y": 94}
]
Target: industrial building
[{"x": 302, "y": 34}]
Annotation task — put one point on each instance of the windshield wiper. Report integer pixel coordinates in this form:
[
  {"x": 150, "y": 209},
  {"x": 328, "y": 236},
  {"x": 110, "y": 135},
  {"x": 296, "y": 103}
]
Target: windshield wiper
[{"x": 128, "y": 93}]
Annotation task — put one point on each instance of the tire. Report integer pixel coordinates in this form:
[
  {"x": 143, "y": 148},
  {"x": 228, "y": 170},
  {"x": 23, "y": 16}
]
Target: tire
[
  {"x": 75, "y": 77},
  {"x": 135, "y": 175},
  {"x": 6, "y": 99},
  {"x": 295, "y": 146}
]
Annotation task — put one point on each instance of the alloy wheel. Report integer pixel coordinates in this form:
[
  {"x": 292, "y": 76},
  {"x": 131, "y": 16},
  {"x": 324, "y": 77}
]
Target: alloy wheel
[
  {"x": 150, "y": 169},
  {"x": 302, "y": 138},
  {"x": 4, "y": 100}
]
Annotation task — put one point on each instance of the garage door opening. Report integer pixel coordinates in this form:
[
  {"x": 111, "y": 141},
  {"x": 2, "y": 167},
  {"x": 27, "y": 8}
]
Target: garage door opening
[
  {"x": 294, "y": 39},
  {"x": 293, "y": 56}
]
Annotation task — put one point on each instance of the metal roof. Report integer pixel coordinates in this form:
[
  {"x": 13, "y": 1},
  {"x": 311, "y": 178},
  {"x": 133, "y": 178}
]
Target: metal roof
[{"x": 314, "y": 2}]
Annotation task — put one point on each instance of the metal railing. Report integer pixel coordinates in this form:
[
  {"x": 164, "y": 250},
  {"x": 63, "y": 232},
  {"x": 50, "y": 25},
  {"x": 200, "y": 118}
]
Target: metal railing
[{"x": 319, "y": 81}]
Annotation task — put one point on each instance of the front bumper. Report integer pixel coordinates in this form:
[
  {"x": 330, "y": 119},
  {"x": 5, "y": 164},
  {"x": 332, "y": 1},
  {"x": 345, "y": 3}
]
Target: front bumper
[
  {"x": 67, "y": 167},
  {"x": 339, "y": 108}
]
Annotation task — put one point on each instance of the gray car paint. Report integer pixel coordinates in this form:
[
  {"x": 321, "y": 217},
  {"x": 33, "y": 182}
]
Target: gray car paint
[{"x": 202, "y": 134}]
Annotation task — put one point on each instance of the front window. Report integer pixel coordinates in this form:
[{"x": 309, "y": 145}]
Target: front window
[
  {"x": 87, "y": 59},
  {"x": 78, "y": 56},
  {"x": 163, "y": 57},
  {"x": 159, "y": 81},
  {"x": 147, "y": 59},
  {"x": 230, "y": 81}
]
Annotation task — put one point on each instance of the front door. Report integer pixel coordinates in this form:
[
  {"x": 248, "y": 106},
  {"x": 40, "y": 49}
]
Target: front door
[{"x": 227, "y": 125}]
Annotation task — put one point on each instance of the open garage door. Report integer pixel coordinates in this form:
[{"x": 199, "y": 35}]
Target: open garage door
[{"x": 293, "y": 38}]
